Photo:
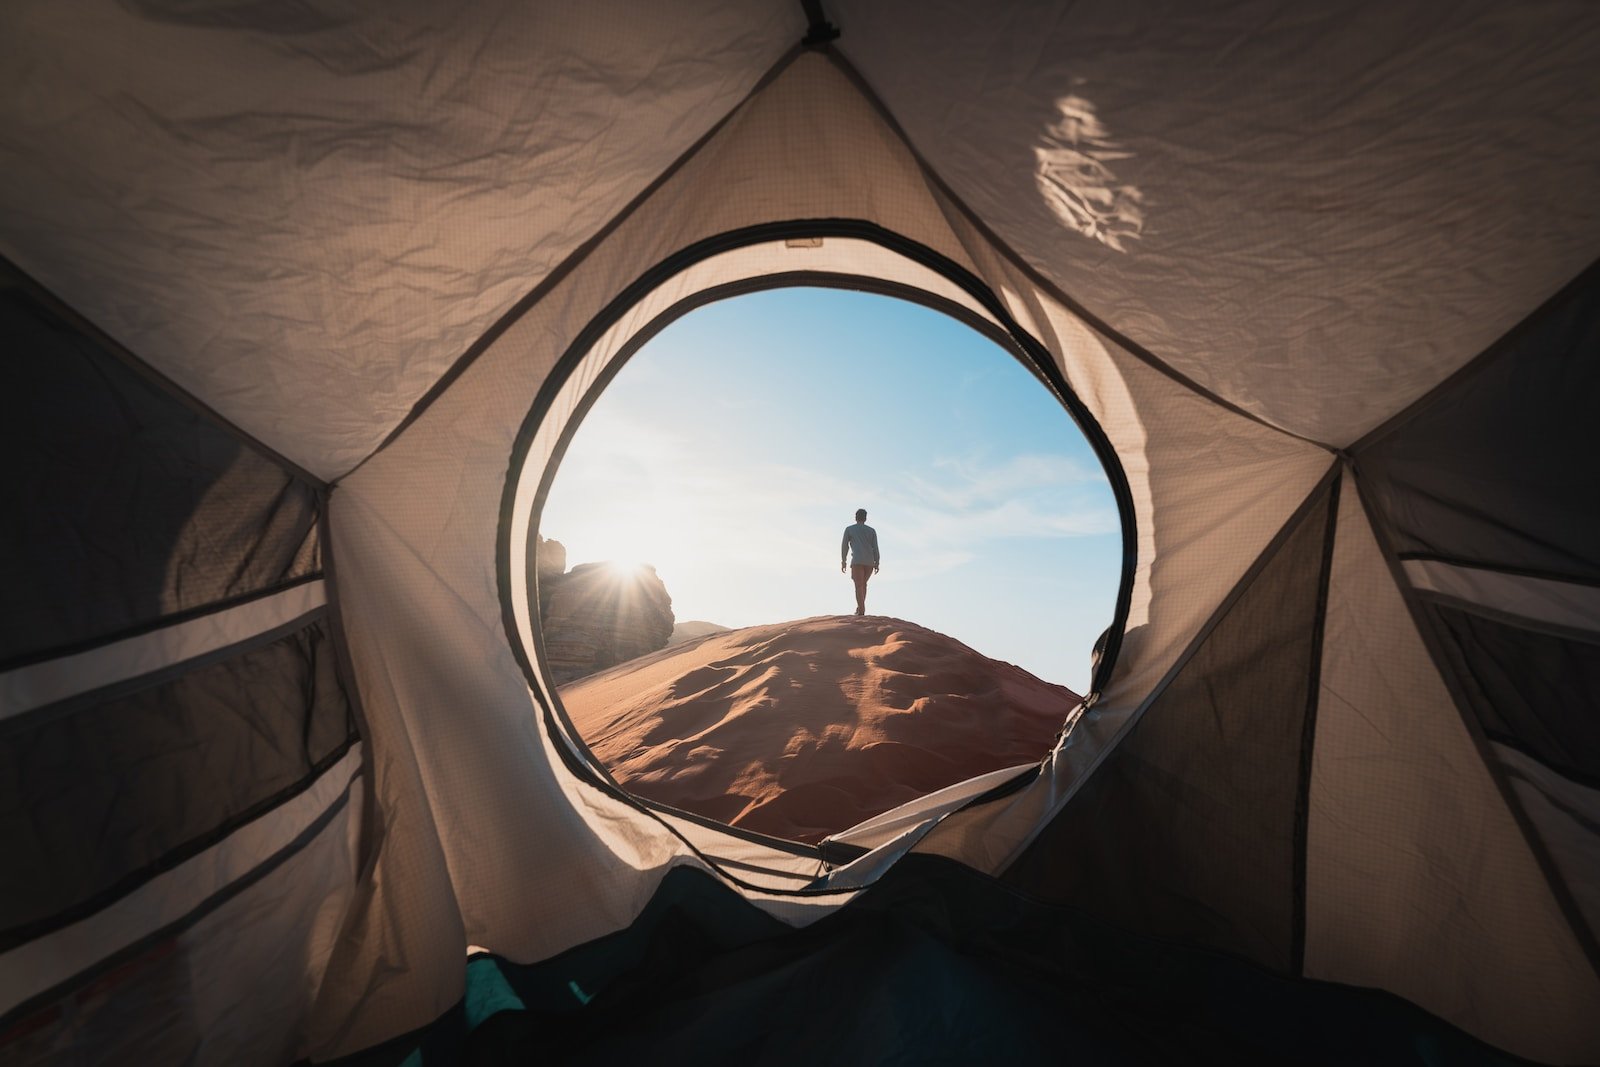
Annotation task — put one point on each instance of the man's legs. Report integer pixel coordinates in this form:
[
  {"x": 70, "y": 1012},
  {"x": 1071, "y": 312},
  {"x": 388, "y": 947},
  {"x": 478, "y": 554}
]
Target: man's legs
[{"x": 860, "y": 573}]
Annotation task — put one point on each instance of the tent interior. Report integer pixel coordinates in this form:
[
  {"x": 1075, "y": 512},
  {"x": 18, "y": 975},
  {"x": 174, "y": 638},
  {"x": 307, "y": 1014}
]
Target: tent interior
[{"x": 301, "y": 299}]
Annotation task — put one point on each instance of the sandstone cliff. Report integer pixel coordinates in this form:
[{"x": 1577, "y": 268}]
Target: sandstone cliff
[
  {"x": 547, "y": 559},
  {"x": 598, "y": 614}
]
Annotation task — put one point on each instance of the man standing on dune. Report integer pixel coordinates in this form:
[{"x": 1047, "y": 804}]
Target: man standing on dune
[{"x": 861, "y": 542}]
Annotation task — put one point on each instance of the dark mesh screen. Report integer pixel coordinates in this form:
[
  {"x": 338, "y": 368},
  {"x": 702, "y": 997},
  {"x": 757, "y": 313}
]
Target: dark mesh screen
[
  {"x": 1535, "y": 691},
  {"x": 125, "y": 506},
  {"x": 95, "y": 802},
  {"x": 1501, "y": 468},
  {"x": 1189, "y": 828}
]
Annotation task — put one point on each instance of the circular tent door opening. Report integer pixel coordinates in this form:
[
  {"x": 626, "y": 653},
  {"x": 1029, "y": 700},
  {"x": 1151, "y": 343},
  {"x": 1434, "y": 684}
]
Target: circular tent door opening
[{"x": 692, "y": 640}]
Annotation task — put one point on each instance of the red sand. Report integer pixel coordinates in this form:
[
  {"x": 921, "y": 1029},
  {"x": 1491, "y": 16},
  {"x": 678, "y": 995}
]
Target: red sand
[{"x": 802, "y": 729}]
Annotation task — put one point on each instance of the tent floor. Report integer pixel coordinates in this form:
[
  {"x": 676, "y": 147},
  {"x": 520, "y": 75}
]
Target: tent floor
[{"x": 934, "y": 964}]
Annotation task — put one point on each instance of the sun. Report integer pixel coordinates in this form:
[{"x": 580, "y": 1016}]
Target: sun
[{"x": 625, "y": 568}]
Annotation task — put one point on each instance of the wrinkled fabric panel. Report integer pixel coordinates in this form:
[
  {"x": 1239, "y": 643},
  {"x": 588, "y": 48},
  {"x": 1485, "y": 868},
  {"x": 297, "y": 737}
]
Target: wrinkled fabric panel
[
  {"x": 126, "y": 505},
  {"x": 1188, "y": 829},
  {"x": 98, "y": 801},
  {"x": 1322, "y": 210},
  {"x": 1210, "y": 488},
  {"x": 305, "y": 213},
  {"x": 1532, "y": 690},
  {"x": 1499, "y": 469},
  {"x": 1419, "y": 879}
]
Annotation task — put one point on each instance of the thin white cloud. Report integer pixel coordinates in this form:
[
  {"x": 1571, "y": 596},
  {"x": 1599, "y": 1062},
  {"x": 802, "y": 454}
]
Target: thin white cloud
[
  {"x": 960, "y": 485},
  {"x": 740, "y": 539},
  {"x": 664, "y": 495}
]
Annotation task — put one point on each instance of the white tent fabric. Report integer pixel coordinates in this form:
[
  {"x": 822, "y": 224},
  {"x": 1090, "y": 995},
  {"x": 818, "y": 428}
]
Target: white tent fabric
[
  {"x": 1284, "y": 164},
  {"x": 458, "y": 154},
  {"x": 400, "y": 250}
]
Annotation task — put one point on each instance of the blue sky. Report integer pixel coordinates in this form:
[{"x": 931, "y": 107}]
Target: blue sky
[{"x": 733, "y": 449}]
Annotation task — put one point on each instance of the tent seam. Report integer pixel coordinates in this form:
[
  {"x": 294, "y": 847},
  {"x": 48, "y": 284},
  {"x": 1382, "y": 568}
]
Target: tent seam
[
  {"x": 1308, "y": 737},
  {"x": 1500, "y": 346},
  {"x": 60, "y": 310},
  {"x": 345, "y": 672}
]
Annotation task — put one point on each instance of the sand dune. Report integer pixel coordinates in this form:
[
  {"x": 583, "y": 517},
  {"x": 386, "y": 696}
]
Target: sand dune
[
  {"x": 688, "y": 631},
  {"x": 805, "y": 728}
]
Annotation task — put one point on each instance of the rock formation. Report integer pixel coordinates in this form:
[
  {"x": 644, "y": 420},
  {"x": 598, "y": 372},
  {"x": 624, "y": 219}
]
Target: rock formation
[
  {"x": 547, "y": 559},
  {"x": 598, "y": 614}
]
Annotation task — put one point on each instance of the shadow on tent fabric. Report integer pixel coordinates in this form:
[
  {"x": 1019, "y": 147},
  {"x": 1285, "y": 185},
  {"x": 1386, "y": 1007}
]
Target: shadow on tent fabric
[{"x": 934, "y": 964}]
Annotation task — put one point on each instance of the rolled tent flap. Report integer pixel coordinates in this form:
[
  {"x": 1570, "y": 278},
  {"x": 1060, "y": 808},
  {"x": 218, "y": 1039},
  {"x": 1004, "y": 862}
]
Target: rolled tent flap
[{"x": 366, "y": 285}]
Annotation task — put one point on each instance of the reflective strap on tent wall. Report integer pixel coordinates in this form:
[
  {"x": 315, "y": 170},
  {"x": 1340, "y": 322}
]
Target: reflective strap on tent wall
[
  {"x": 1571, "y": 605},
  {"x": 24, "y": 689}
]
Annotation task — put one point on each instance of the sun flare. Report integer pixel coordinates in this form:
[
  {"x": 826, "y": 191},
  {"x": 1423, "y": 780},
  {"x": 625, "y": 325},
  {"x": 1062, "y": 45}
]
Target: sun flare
[{"x": 625, "y": 568}]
